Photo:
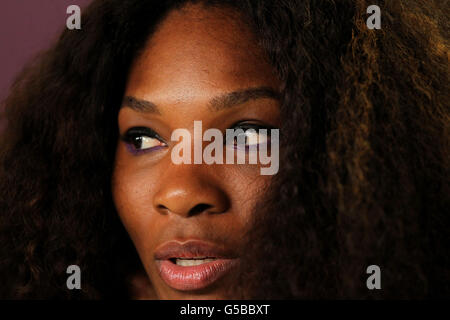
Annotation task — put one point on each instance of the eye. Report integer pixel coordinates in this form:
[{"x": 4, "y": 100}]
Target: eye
[
  {"x": 253, "y": 137},
  {"x": 247, "y": 135},
  {"x": 142, "y": 139}
]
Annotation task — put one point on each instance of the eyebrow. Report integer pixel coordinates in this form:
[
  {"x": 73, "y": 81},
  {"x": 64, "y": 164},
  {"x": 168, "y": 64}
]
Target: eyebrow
[
  {"x": 235, "y": 98},
  {"x": 140, "y": 105},
  {"x": 221, "y": 102}
]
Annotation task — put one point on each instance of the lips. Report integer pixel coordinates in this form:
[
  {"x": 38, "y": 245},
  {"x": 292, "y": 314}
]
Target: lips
[{"x": 192, "y": 265}]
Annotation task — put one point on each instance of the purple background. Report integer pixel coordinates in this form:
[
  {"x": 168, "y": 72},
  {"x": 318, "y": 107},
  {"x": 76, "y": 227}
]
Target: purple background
[{"x": 27, "y": 27}]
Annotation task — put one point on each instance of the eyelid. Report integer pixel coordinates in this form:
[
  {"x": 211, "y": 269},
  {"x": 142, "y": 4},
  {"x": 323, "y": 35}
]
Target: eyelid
[
  {"x": 141, "y": 131},
  {"x": 251, "y": 124}
]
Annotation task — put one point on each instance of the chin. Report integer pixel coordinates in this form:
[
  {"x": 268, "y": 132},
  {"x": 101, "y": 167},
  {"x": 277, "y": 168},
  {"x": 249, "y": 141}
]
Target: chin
[
  {"x": 194, "y": 296},
  {"x": 215, "y": 292}
]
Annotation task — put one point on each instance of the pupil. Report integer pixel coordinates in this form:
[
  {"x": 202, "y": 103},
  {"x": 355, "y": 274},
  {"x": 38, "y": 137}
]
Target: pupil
[{"x": 137, "y": 142}]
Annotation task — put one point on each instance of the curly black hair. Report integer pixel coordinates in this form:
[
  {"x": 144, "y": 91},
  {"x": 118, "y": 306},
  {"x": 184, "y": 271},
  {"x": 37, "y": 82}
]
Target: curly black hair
[{"x": 364, "y": 167}]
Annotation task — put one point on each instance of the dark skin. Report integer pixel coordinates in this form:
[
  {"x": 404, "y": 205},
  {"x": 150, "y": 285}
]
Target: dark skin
[{"x": 197, "y": 56}]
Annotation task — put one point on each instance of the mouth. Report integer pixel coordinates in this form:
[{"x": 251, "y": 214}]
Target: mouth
[
  {"x": 192, "y": 265},
  {"x": 191, "y": 262}
]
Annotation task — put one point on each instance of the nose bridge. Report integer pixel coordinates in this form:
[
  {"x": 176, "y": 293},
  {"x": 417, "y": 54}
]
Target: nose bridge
[{"x": 188, "y": 189}]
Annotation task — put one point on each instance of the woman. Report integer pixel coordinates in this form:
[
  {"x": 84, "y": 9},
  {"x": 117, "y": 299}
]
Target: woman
[{"x": 87, "y": 176}]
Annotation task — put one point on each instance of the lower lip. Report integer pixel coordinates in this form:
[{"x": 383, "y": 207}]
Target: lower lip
[{"x": 193, "y": 277}]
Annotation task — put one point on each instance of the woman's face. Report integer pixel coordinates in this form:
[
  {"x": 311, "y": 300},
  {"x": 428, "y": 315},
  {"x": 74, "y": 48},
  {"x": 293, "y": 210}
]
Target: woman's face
[{"x": 188, "y": 221}]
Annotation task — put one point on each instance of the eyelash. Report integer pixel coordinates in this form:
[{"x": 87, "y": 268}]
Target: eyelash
[{"x": 134, "y": 136}]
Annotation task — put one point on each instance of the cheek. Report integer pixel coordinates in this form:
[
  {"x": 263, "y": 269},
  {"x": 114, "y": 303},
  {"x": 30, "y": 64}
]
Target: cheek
[
  {"x": 132, "y": 191},
  {"x": 248, "y": 190}
]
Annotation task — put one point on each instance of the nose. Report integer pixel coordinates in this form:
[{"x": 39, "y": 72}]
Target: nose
[{"x": 186, "y": 190}]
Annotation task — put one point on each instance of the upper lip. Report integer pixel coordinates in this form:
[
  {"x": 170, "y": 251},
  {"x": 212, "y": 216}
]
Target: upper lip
[{"x": 191, "y": 249}]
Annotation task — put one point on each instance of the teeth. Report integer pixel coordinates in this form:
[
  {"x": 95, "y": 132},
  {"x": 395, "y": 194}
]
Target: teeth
[{"x": 192, "y": 262}]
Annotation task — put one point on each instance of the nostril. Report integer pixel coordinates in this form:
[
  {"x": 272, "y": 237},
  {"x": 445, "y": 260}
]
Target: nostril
[
  {"x": 199, "y": 208},
  {"x": 162, "y": 209}
]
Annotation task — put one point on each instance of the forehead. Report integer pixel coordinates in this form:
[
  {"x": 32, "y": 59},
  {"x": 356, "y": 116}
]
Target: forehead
[{"x": 199, "y": 51}]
